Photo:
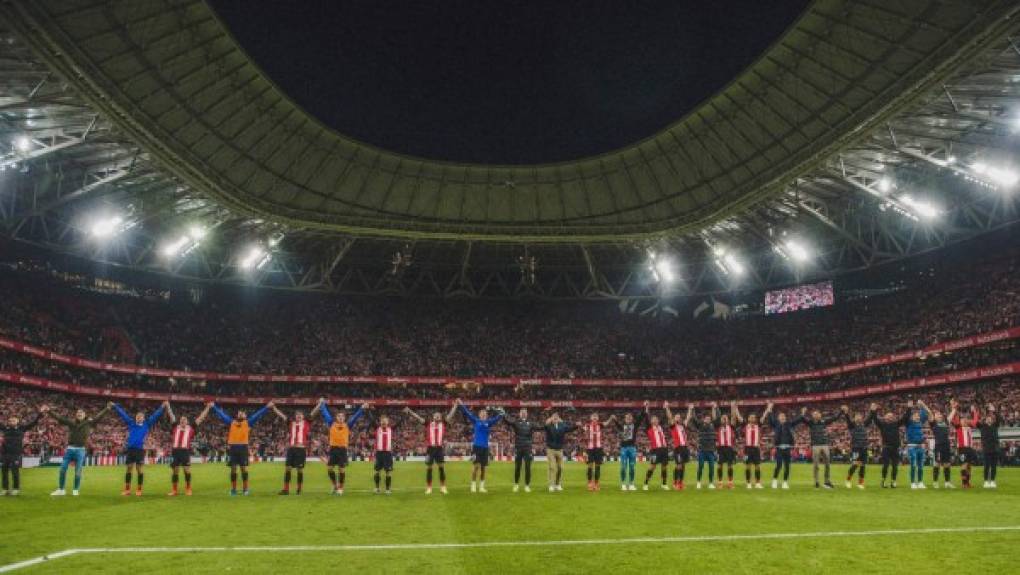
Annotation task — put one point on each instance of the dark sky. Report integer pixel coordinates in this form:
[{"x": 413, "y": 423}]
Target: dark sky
[{"x": 504, "y": 82}]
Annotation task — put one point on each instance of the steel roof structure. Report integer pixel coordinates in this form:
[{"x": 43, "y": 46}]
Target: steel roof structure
[{"x": 836, "y": 136}]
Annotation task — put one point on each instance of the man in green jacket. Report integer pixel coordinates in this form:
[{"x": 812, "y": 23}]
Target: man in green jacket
[{"x": 78, "y": 430}]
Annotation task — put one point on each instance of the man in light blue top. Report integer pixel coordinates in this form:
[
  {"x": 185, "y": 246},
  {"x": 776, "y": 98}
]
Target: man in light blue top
[
  {"x": 134, "y": 456},
  {"x": 482, "y": 423},
  {"x": 915, "y": 443}
]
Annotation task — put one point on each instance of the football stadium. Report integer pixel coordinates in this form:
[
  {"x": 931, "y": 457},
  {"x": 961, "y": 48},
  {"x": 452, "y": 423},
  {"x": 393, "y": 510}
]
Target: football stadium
[{"x": 530, "y": 287}]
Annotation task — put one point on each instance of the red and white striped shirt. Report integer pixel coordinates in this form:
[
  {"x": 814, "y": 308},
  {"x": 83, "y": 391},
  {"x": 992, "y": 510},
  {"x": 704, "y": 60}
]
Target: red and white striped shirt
[
  {"x": 656, "y": 438},
  {"x": 724, "y": 436},
  {"x": 752, "y": 435},
  {"x": 437, "y": 431},
  {"x": 965, "y": 431},
  {"x": 299, "y": 431},
  {"x": 679, "y": 434},
  {"x": 593, "y": 430},
  {"x": 384, "y": 438},
  {"x": 183, "y": 434}
]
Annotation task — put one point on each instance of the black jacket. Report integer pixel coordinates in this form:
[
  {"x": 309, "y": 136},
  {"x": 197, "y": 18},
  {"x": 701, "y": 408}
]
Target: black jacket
[{"x": 14, "y": 437}]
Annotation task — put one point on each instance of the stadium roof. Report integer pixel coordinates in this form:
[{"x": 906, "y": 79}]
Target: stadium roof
[{"x": 837, "y": 137}]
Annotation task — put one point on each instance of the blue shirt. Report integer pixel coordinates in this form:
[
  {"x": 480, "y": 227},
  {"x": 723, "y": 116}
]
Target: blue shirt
[
  {"x": 915, "y": 429},
  {"x": 225, "y": 418},
  {"x": 481, "y": 436},
  {"x": 137, "y": 432}
]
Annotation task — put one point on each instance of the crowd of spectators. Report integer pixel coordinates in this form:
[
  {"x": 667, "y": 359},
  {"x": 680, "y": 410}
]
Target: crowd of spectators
[{"x": 274, "y": 332}]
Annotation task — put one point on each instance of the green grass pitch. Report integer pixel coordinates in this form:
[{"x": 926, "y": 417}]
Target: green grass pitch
[{"x": 558, "y": 524}]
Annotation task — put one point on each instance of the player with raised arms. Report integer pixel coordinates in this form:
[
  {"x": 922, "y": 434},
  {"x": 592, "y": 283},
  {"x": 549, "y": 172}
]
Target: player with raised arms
[
  {"x": 481, "y": 423},
  {"x": 783, "y": 440},
  {"x": 78, "y": 430},
  {"x": 595, "y": 453},
  {"x": 383, "y": 434},
  {"x": 681, "y": 449},
  {"x": 860, "y": 443},
  {"x": 237, "y": 442},
  {"x": 299, "y": 433},
  {"x": 181, "y": 437},
  {"x": 752, "y": 446},
  {"x": 524, "y": 442},
  {"x": 339, "y": 442},
  {"x": 658, "y": 449},
  {"x": 435, "y": 441},
  {"x": 964, "y": 439},
  {"x": 138, "y": 429},
  {"x": 12, "y": 449},
  {"x": 628, "y": 430}
]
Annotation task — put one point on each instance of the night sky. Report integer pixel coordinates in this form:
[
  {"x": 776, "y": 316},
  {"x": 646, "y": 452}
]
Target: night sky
[{"x": 504, "y": 82}]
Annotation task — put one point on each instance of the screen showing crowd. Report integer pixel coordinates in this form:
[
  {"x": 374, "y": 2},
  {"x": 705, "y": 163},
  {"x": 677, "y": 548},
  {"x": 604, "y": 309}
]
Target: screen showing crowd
[{"x": 799, "y": 297}]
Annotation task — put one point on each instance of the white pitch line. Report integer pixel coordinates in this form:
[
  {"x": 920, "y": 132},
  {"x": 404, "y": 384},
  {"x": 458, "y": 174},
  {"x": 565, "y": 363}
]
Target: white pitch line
[{"x": 526, "y": 543}]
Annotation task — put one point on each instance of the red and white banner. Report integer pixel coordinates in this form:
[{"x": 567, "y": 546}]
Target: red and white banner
[
  {"x": 967, "y": 342},
  {"x": 860, "y": 391}
]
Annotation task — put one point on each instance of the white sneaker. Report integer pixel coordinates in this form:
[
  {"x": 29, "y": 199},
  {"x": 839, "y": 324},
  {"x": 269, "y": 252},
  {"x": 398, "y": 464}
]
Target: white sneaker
[
  {"x": 786, "y": 485},
  {"x": 987, "y": 484},
  {"x": 74, "y": 493},
  {"x": 482, "y": 489},
  {"x": 516, "y": 488},
  {"x": 921, "y": 486},
  {"x": 4, "y": 493},
  {"x": 527, "y": 489},
  {"x": 623, "y": 487},
  {"x": 948, "y": 485},
  {"x": 340, "y": 491},
  {"x": 994, "y": 486},
  {"x": 711, "y": 485},
  {"x": 474, "y": 488},
  {"x": 849, "y": 485},
  {"x": 775, "y": 484},
  {"x": 14, "y": 493},
  {"x": 645, "y": 487},
  {"x": 749, "y": 486},
  {"x": 860, "y": 486},
  {"x": 632, "y": 487},
  {"x": 58, "y": 493},
  {"x": 758, "y": 485},
  {"x": 935, "y": 485},
  {"x": 697, "y": 485},
  {"x": 913, "y": 486},
  {"x": 559, "y": 487},
  {"x": 665, "y": 487},
  {"x": 552, "y": 488},
  {"x": 428, "y": 491},
  {"x": 442, "y": 489}
]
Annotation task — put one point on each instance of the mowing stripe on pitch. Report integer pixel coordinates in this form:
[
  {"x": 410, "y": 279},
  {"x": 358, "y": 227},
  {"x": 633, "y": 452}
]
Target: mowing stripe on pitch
[{"x": 491, "y": 544}]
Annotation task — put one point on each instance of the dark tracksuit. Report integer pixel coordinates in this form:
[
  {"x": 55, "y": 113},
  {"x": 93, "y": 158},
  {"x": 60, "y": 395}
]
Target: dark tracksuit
[
  {"x": 784, "y": 444},
  {"x": 859, "y": 444},
  {"x": 10, "y": 453},
  {"x": 891, "y": 442},
  {"x": 523, "y": 446},
  {"x": 990, "y": 446},
  {"x": 706, "y": 447},
  {"x": 941, "y": 432},
  {"x": 820, "y": 453}
]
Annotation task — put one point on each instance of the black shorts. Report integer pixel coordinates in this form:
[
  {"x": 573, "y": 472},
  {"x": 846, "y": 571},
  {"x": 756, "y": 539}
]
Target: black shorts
[
  {"x": 180, "y": 457},
  {"x": 237, "y": 455},
  {"x": 890, "y": 455},
  {"x": 681, "y": 455},
  {"x": 943, "y": 455},
  {"x": 434, "y": 454},
  {"x": 296, "y": 457},
  {"x": 752, "y": 455},
  {"x": 384, "y": 460},
  {"x": 524, "y": 454},
  {"x": 858, "y": 456},
  {"x": 596, "y": 456},
  {"x": 480, "y": 455},
  {"x": 658, "y": 456},
  {"x": 967, "y": 455},
  {"x": 133, "y": 455},
  {"x": 10, "y": 460},
  {"x": 727, "y": 455},
  {"x": 338, "y": 456}
]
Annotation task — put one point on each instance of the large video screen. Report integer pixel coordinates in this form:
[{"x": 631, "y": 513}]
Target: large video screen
[{"x": 799, "y": 297}]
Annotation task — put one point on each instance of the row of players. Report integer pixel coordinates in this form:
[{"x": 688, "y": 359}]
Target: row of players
[{"x": 716, "y": 443}]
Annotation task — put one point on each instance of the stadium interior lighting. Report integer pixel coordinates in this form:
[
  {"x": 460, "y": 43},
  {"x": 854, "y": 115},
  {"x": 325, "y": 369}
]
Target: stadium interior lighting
[
  {"x": 792, "y": 249},
  {"x": 884, "y": 185},
  {"x": 23, "y": 144},
  {"x": 996, "y": 175},
  {"x": 255, "y": 258},
  {"x": 728, "y": 262},
  {"x": 107, "y": 226},
  {"x": 921, "y": 208},
  {"x": 185, "y": 244},
  {"x": 661, "y": 268}
]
